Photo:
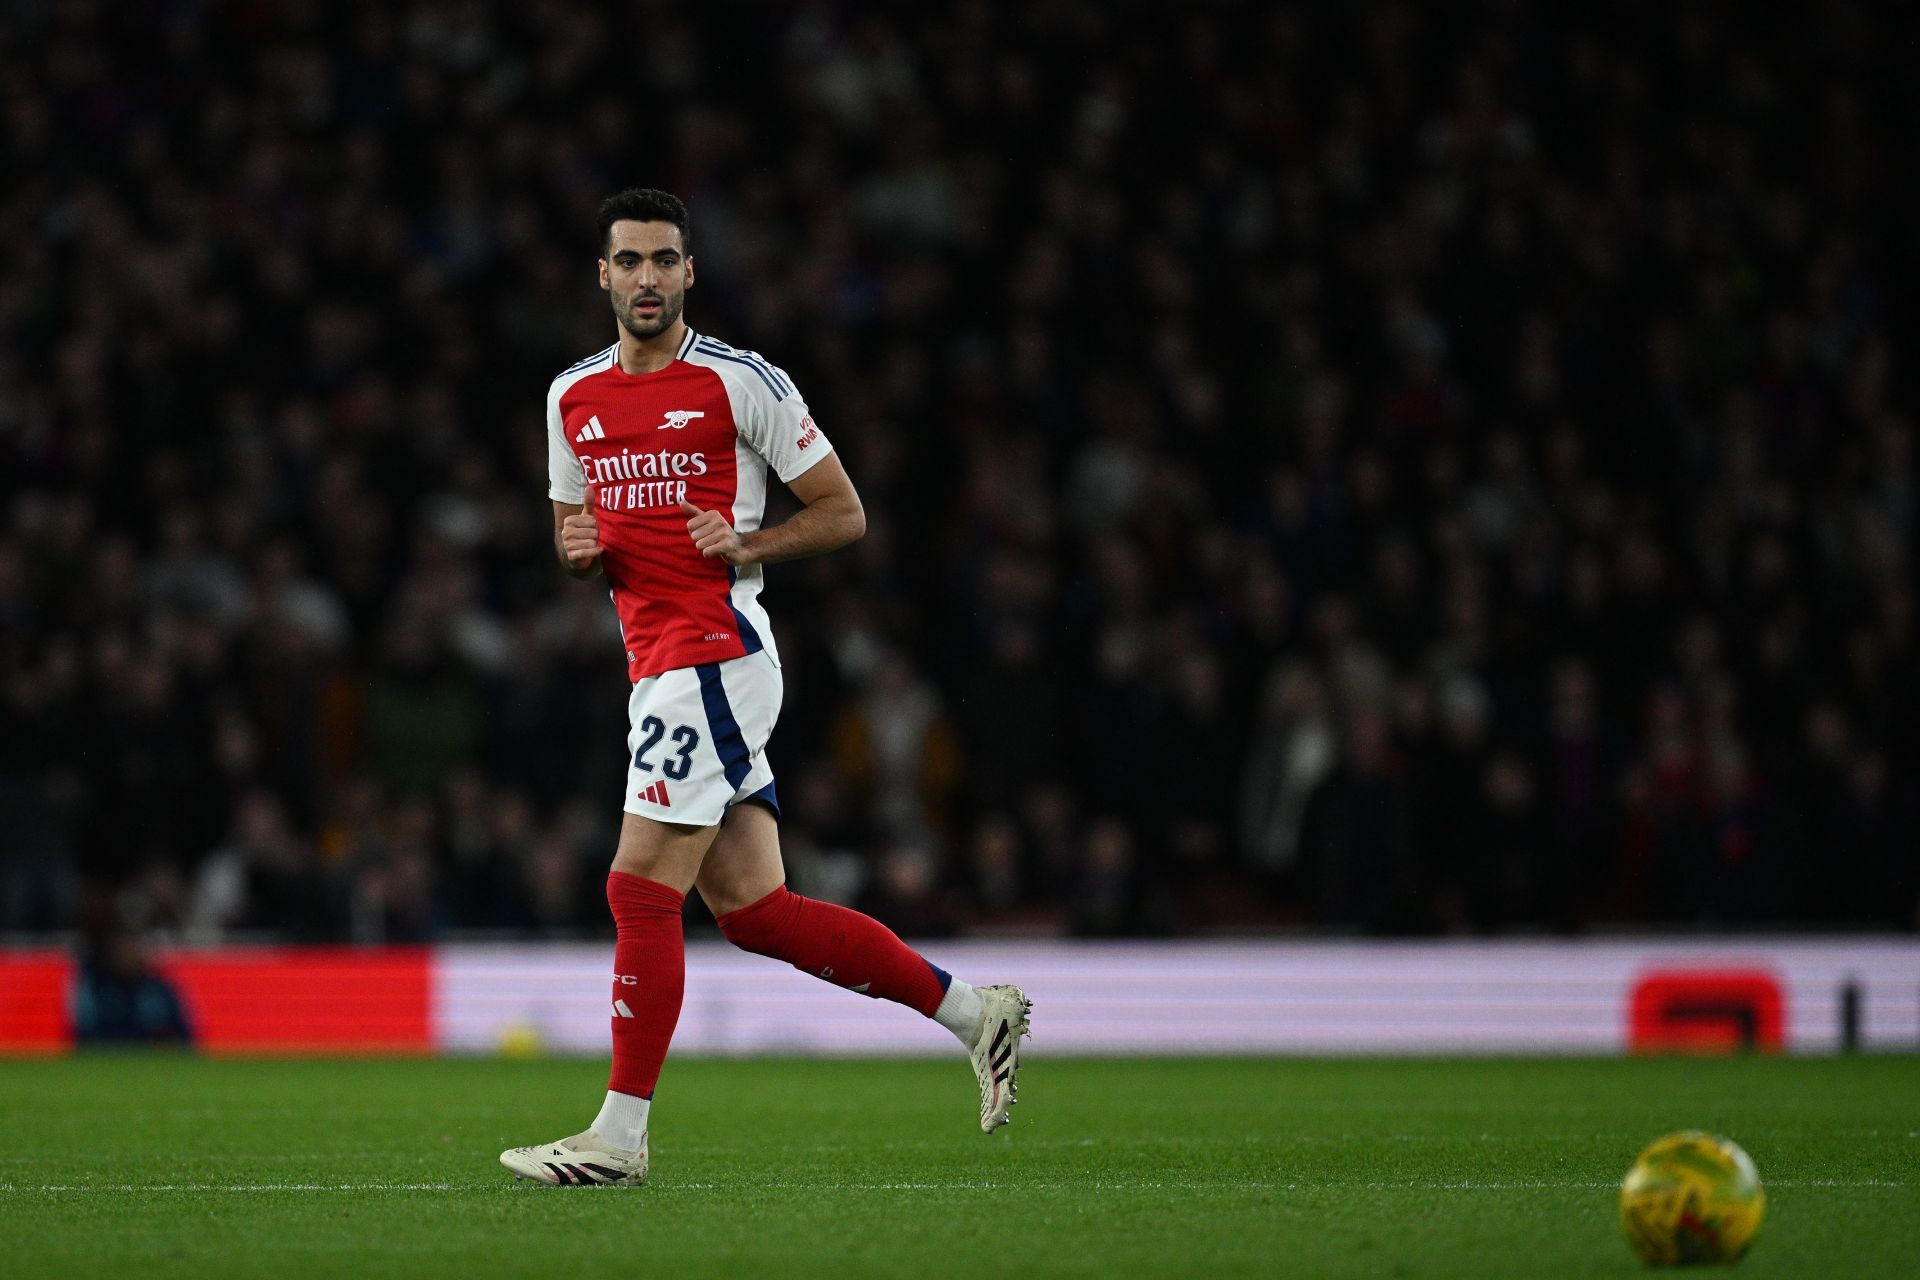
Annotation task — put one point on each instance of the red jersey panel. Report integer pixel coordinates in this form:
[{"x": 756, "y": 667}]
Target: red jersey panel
[{"x": 703, "y": 430}]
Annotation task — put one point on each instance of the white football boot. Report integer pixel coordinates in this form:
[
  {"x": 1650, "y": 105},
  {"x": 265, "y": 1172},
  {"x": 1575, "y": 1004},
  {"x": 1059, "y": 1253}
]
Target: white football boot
[
  {"x": 584, "y": 1160},
  {"x": 996, "y": 1052}
]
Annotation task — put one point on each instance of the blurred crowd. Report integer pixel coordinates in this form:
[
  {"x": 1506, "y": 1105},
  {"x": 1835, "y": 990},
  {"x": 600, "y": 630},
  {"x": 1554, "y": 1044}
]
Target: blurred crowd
[{"x": 1376, "y": 468}]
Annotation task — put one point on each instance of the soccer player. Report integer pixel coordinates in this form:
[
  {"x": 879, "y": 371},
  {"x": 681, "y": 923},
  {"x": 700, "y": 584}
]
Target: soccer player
[{"x": 658, "y": 451}]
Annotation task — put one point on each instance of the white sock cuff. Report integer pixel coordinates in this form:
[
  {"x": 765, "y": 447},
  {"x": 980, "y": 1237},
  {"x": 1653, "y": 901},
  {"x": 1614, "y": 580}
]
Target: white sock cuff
[
  {"x": 959, "y": 1011},
  {"x": 623, "y": 1120}
]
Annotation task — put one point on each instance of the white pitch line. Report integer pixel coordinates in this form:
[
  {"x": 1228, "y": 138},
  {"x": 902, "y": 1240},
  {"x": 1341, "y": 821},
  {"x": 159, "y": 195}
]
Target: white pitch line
[
  {"x": 136, "y": 1188},
  {"x": 9, "y": 1188}
]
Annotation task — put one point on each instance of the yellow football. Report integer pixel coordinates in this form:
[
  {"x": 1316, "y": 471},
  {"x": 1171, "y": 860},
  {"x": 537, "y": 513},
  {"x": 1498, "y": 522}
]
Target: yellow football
[{"x": 1691, "y": 1198}]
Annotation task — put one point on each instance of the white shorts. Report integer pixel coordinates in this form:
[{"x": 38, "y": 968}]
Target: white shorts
[{"x": 698, "y": 740}]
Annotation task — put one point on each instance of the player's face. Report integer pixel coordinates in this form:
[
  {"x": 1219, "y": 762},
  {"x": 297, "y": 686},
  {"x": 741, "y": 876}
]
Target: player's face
[{"x": 646, "y": 272}]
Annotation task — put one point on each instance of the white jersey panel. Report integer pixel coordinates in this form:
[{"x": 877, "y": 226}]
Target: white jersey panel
[
  {"x": 767, "y": 411},
  {"x": 749, "y": 513},
  {"x": 566, "y": 482}
]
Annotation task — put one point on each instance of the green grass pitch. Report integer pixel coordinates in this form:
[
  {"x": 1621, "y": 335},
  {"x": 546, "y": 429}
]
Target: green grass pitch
[{"x": 157, "y": 1166}]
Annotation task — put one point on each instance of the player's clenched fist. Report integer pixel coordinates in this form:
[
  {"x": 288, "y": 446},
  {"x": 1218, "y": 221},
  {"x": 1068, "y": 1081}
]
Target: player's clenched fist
[
  {"x": 580, "y": 534},
  {"x": 714, "y": 536}
]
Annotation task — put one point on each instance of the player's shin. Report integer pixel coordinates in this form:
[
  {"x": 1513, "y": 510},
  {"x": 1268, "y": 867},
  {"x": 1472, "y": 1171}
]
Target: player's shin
[{"x": 649, "y": 980}]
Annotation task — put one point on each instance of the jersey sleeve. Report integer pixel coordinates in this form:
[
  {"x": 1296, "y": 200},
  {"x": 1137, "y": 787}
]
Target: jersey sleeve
[
  {"x": 779, "y": 428},
  {"x": 566, "y": 481}
]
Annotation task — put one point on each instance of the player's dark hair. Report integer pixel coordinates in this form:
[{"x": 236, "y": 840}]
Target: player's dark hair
[{"x": 643, "y": 204}]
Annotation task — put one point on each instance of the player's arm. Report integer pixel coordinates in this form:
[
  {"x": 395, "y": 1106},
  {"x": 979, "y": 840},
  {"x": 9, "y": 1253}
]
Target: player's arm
[
  {"x": 576, "y": 537},
  {"x": 576, "y": 525},
  {"x": 831, "y": 518}
]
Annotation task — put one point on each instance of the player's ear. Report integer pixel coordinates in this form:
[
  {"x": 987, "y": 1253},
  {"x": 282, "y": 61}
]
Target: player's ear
[
  {"x": 603, "y": 275},
  {"x": 687, "y": 263}
]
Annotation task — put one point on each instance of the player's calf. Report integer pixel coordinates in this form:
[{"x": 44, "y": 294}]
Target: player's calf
[{"x": 839, "y": 946}]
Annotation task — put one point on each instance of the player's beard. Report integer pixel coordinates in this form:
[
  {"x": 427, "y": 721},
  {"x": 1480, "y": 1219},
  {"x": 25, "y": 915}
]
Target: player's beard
[{"x": 670, "y": 306}]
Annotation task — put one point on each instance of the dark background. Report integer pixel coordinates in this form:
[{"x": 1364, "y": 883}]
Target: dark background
[{"x": 1364, "y": 467}]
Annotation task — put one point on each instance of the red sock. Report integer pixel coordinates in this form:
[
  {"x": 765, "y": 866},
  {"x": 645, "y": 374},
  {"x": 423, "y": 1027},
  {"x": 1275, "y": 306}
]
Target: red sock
[
  {"x": 649, "y": 979},
  {"x": 843, "y": 947}
]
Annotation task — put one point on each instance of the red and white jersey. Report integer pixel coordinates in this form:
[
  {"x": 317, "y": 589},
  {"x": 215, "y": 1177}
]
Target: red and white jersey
[{"x": 705, "y": 428}]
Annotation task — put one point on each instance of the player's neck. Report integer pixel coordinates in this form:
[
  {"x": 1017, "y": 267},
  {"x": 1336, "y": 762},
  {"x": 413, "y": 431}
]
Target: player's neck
[{"x": 650, "y": 355}]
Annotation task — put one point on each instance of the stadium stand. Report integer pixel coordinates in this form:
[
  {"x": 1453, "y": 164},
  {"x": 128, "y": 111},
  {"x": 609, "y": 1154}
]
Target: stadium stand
[{"x": 1381, "y": 469}]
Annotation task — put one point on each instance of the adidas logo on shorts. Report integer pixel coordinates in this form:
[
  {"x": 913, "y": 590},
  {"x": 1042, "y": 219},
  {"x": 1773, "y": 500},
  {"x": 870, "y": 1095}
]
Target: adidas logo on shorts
[{"x": 655, "y": 793}]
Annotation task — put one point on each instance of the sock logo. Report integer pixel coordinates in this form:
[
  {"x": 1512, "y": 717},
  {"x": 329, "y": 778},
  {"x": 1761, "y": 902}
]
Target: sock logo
[{"x": 620, "y": 1009}]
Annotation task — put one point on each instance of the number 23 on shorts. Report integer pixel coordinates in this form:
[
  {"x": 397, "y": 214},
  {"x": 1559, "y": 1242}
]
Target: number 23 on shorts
[{"x": 678, "y": 762}]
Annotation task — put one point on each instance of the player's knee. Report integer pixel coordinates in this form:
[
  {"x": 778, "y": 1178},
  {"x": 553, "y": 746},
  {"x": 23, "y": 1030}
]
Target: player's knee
[
  {"x": 649, "y": 865},
  {"x": 668, "y": 852}
]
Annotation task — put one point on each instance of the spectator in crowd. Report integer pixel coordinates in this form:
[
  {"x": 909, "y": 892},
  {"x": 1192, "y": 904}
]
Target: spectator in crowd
[{"x": 119, "y": 999}]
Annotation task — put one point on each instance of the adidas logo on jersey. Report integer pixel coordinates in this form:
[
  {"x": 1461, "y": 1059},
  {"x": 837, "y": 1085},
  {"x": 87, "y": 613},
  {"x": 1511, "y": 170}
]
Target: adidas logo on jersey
[
  {"x": 592, "y": 431},
  {"x": 654, "y": 793},
  {"x": 678, "y": 418}
]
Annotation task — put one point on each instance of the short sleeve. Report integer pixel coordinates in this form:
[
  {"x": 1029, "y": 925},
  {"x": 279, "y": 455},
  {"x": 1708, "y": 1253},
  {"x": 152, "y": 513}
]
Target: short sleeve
[
  {"x": 779, "y": 428},
  {"x": 566, "y": 481}
]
